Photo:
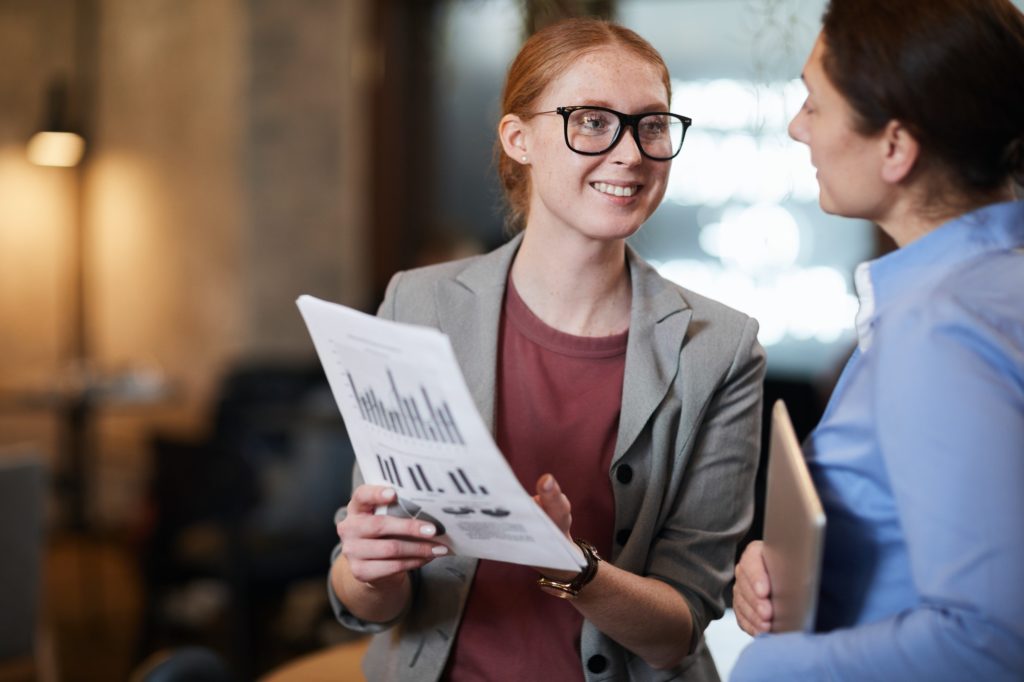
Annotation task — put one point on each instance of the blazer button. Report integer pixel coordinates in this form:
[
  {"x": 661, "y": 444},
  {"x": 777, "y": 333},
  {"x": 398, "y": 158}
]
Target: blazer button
[
  {"x": 597, "y": 663},
  {"x": 623, "y": 535},
  {"x": 624, "y": 473}
]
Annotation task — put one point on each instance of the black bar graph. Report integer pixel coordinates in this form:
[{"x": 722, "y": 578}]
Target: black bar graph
[
  {"x": 463, "y": 484},
  {"x": 389, "y": 470},
  {"x": 401, "y": 413},
  {"x": 414, "y": 476}
]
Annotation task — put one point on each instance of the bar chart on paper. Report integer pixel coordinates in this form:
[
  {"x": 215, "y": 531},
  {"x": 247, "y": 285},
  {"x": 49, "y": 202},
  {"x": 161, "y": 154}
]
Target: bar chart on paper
[
  {"x": 426, "y": 478},
  {"x": 415, "y": 426},
  {"x": 412, "y": 414}
]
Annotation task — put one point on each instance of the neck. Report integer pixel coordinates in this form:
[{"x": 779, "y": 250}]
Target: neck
[
  {"x": 915, "y": 216},
  {"x": 576, "y": 285}
]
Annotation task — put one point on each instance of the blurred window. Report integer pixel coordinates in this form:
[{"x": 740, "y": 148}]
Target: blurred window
[{"x": 740, "y": 221}]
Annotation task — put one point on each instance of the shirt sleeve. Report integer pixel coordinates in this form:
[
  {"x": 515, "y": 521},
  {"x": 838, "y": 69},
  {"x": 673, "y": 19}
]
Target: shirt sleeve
[{"x": 949, "y": 410}]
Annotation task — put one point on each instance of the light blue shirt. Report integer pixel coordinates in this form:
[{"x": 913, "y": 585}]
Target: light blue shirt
[{"x": 919, "y": 460}]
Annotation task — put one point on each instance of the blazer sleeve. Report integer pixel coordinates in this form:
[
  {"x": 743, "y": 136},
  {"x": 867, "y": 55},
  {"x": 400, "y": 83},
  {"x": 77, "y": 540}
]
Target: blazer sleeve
[{"x": 695, "y": 550}]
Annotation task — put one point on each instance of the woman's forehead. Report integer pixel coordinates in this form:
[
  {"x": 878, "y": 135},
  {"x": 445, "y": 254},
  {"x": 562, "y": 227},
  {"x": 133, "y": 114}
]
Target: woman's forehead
[{"x": 610, "y": 71}]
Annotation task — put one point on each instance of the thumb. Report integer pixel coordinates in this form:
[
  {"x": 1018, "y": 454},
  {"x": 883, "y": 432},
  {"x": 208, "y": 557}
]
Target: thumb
[{"x": 554, "y": 503}]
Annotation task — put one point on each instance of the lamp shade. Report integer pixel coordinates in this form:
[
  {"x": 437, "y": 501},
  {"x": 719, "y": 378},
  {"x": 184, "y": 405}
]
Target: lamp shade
[
  {"x": 56, "y": 148},
  {"x": 56, "y": 143}
]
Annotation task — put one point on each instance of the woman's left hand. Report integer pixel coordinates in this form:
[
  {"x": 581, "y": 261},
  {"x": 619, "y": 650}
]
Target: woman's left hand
[
  {"x": 557, "y": 506},
  {"x": 646, "y": 615},
  {"x": 554, "y": 502}
]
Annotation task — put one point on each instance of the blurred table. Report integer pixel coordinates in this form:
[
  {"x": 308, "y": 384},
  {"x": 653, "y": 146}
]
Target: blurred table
[
  {"x": 74, "y": 398},
  {"x": 339, "y": 662}
]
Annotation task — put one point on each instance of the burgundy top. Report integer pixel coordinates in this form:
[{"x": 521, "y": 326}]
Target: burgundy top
[{"x": 558, "y": 403}]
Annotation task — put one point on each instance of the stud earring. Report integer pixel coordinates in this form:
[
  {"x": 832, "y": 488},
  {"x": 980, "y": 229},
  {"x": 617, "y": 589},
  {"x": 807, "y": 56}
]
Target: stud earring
[{"x": 524, "y": 159}]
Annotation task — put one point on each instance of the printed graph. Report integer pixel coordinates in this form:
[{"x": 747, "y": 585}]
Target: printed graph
[
  {"x": 410, "y": 414},
  {"x": 407, "y": 476}
]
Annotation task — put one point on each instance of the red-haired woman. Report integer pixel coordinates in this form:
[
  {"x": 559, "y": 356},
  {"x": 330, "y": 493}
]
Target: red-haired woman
[
  {"x": 631, "y": 405},
  {"x": 915, "y": 120}
]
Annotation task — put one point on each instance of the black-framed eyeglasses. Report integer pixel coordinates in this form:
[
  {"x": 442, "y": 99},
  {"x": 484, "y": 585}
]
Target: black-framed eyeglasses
[{"x": 593, "y": 130}]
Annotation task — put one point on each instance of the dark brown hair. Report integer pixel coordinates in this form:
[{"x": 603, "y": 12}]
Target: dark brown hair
[
  {"x": 544, "y": 57},
  {"x": 951, "y": 71}
]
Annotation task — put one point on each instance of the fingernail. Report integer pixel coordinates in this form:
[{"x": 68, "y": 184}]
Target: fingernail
[
  {"x": 549, "y": 484},
  {"x": 439, "y": 550},
  {"x": 388, "y": 494},
  {"x": 427, "y": 529},
  {"x": 761, "y": 587}
]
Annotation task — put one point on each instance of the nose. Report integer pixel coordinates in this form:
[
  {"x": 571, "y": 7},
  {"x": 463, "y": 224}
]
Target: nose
[
  {"x": 626, "y": 151},
  {"x": 798, "y": 127}
]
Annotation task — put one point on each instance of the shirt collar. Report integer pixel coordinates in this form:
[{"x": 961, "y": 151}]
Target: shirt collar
[{"x": 997, "y": 227}]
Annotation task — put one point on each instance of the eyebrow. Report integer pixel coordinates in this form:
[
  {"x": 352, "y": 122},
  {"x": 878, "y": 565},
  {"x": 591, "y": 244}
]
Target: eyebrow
[{"x": 659, "y": 106}]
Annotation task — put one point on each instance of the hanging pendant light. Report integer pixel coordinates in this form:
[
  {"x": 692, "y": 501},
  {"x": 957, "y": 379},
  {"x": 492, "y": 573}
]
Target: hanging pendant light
[{"x": 57, "y": 143}]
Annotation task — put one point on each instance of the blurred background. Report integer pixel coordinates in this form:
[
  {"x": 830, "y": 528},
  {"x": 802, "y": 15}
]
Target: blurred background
[{"x": 170, "y": 456}]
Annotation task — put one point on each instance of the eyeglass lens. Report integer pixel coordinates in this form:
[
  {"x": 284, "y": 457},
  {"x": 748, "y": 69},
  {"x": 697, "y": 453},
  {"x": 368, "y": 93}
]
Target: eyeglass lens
[{"x": 593, "y": 131}]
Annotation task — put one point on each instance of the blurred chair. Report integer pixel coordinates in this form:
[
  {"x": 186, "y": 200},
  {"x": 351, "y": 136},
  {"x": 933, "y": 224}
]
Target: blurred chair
[
  {"x": 24, "y": 647},
  {"x": 189, "y": 664},
  {"x": 244, "y": 514}
]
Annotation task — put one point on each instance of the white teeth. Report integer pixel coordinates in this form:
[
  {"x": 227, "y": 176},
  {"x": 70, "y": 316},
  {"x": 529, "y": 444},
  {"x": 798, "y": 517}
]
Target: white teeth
[{"x": 616, "y": 190}]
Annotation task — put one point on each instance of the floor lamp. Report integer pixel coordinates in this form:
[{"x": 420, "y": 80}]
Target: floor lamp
[{"x": 59, "y": 144}]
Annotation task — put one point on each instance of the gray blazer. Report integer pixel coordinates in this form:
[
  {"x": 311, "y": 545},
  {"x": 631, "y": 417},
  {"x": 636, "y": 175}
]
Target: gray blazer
[{"x": 689, "y": 436}]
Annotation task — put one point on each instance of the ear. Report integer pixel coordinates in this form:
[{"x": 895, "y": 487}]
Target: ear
[
  {"x": 900, "y": 152},
  {"x": 514, "y": 136}
]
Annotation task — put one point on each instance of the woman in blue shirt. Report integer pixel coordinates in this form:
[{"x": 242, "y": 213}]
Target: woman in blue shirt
[{"x": 915, "y": 121}]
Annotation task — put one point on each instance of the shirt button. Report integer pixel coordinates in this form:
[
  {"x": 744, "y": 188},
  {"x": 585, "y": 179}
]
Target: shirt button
[
  {"x": 623, "y": 535},
  {"x": 597, "y": 663},
  {"x": 624, "y": 473}
]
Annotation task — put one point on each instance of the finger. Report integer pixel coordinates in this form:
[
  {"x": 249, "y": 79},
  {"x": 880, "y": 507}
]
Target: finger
[
  {"x": 367, "y": 497},
  {"x": 752, "y": 592},
  {"x": 751, "y": 571},
  {"x": 749, "y": 623},
  {"x": 747, "y": 615},
  {"x": 759, "y": 571},
  {"x": 373, "y": 571},
  {"x": 753, "y": 586},
  {"x": 554, "y": 503},
  {"x": 392, "y": 549},
  {"x": 746, "y": 626},
  {"x": 362, "y": 526},
  {"x": 758, "y": 612},
  {"x": 744, "y": 616}
]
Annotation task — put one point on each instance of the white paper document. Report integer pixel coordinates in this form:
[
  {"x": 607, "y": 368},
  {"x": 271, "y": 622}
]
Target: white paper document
[{"x": 414, "y": 426}]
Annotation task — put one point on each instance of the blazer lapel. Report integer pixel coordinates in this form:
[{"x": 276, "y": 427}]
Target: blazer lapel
[
  {"x": 659, "y": 319},
  {"x": 469, "y": 312}
]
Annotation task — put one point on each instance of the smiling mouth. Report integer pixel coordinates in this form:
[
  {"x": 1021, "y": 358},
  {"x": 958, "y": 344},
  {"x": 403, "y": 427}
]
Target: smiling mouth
[{"x": 616, "y": 190}]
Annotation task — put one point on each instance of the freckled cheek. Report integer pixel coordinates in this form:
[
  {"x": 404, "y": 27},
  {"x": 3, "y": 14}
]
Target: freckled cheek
[{"x": 657, "y": 182}]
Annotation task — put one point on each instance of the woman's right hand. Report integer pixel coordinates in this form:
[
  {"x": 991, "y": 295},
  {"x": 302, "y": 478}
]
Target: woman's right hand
[
  {"x": 380, "y": 549},
  {"x": 751, "y": 595}
]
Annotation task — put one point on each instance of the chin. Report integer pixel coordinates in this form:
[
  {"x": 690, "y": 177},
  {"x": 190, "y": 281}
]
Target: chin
[
  {"x": 855, "y": 205},
  {"x": 613, "y": 230},
  {"x": 831, "y": 208},
  {"x": 828, "y": 205}
]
